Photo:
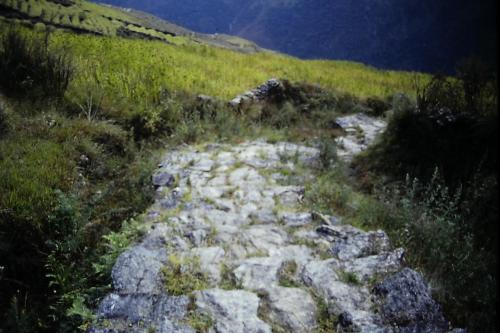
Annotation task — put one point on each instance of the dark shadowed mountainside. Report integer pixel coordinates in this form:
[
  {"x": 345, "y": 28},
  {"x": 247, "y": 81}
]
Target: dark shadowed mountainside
[{"x": 412, "y": 35}]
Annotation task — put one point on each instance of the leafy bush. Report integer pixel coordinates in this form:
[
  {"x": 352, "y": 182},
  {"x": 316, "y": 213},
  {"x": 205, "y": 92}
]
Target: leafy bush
[
  {"x": 436, "y": 227},
  {"x": 3, "y": 120},
  {"x": 184, "y": 275},
  {"x": 376, "y": 106},
  {"x": 49, "y": 239},
  {"x": 327, "y": 152},
  {"x": 328, "y": 194},
  {"x": 448, "y": 223},
  {"x": 441, "y": 130},
  {"x": 28, "y": 66}
]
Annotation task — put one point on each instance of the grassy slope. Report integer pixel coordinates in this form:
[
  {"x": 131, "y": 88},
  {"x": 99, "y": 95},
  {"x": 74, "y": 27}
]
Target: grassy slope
[
  {"x": 84, "y": 16},
  {"x": 138, "y": 69}
]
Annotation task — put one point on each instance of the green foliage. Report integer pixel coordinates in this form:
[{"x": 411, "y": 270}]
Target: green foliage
[
  {"x": 30, "y": 170},
  {"x": 443, "y": 242},
  {"x": 349, "y": 277},
  {"x": 328, "y": 193},
  {"x": 326, "y": 320},
  {"x": 184, "y": 275},
  {"x": 327, "y": 152},
  {"x": 18, "y": 319},
  {"x": 115, "y": 243},
  {"x": 79, "y": 309},
  {"x": 125, "y": 71},
  {"x": 28, "y": 66},
  {"x": 3, "y": 120},
  {"x": 287, "y": 275},
  {"x": 448, "y": 222},
  {"x": 201, "y": 322},
  {"x": 435, "y": 225},
  {"x": 65, "y": 182},
  {"x": 377, "y": 107},
  {"x": 440, "y": 131}
]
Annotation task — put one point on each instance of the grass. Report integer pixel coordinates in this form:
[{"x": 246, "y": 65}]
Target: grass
[
  {"x": 228, "y": 280},
  {"x": 65, "y": 182},
  {"x": 183, "y": 276},
  {"x": 326, "y": 320},
  {"x": 29, "y": 171},
  {"x": 287, "y": 275},
  {"x": 349, "y": 278},
  {"x": 123, "y": 69}
]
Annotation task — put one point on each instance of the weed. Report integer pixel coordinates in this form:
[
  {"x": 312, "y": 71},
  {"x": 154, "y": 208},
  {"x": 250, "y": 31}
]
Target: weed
[
  {"x": 3, "y": 121},
  {"x": 199, "y": 320},
  {"x": 116, "y": 243},
  {"x": 183, "y": 275},
  {"x": 287, "y": 275},
  {"x": 260, "y": 253},
  {"x": 327, "y": 152},
  {"x": 328, "y": 194},
  {"x": 326, "y": 320},
  {"x": 27, "y": 66},
  {"x": 228, "y": 280},
  {"x": 349, "y": 278}
]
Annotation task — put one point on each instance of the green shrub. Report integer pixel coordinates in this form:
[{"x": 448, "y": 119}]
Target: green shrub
[
  {"x": 49, "y": 240},
  {"x": 30, "y": 170},
  {"x": 27, "y": 66},
  {"x": 3, "y": 120},
  {"x": 327, "y": 152},
  {"x": 448, "y": 223},
  {"x": 329, "y": 194},
  {"x": 376, "y": 106},
  {"x": 440, "y": 238},
  {"x": 184, "y": 275}
]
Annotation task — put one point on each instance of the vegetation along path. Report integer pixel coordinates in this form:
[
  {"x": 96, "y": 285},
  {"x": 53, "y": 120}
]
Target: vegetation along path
[{"x": 232, "y": 247}]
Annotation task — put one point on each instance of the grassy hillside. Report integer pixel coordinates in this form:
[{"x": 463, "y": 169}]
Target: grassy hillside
[
  {"x": 137, "y": 69},
  {"x": 86, "y": 17},
  {"x": 126, "y": 68}
]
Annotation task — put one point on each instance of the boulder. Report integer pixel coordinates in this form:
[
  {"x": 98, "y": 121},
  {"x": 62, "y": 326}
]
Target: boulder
[
  {"x": 405, "y": 301},
  {"x": 292, "y": 309},
  {"x": 141, "y": 312},
  {"x": 349, "y": 242},
  {"x": 163, "y": 179},
  {"x": 233, "y": 311},
  {"x": 138, "y": 270}
]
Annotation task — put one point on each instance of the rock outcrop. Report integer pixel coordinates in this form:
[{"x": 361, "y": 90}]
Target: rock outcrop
[
  {"x": 265, "y": 91},
  {"x": 266, "y": 261}
]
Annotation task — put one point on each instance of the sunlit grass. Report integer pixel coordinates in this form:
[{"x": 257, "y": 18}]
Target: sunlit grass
[{"x": 138, "y": 70}]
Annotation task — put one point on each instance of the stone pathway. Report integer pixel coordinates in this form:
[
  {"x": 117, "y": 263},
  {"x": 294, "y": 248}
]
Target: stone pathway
[
  {"x": 225, "y": 218},
  {"x": 360, "y": 131}
]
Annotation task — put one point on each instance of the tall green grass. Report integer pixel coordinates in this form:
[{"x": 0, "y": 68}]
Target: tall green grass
[{"x": 138, "y": 70}]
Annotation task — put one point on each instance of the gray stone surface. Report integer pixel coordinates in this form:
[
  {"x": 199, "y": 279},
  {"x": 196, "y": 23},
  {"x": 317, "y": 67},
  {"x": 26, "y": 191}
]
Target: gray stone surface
[
  {"x": 404, "y": 300},
  {"x": 140, "y": 312},
  {"x": 258, "y": 272},
  {"x": 234, "y": 311},
  {"x": 349, "y": 242},
  {"x": 138, "y": 270},
  {"x": 292, "y": 309},
  {"x": 163, "y": 179},
  {"x": 262, "y": 92},
  {"x": 360, "y": 131},
  {"x": 252, "y": 233},
  {"x": 296, "y": 219}
]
